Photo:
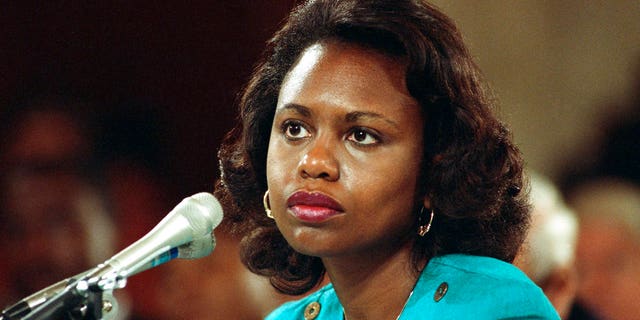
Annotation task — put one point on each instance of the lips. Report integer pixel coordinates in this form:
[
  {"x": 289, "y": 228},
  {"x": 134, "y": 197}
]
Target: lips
[{"x": 313, "y": 207}]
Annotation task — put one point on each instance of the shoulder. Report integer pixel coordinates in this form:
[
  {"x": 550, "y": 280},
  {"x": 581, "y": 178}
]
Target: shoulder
[
  {"x": 455, "y": 285},
  {"x": 318, "y": 305}
]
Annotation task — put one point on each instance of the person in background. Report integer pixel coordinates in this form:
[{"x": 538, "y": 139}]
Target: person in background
[
  {"x": 367, "y": 149},
  {"x": 548, "y": 253},
  {"x": 58, "y": 210},
  {"x": 608, "y": 251},
  {"x": 74, "y": 192},
  {"x": 54, "y": 217}
]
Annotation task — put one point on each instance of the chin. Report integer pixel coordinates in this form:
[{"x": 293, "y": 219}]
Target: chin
[{"x": 310, "y": 247}]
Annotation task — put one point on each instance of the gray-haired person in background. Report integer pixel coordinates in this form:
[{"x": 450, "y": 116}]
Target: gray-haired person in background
[
  {"x": 608, "y": 251},
  {"x": 548, "y": 253}
]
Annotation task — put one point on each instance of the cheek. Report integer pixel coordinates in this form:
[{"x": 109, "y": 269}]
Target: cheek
[
  {"x": 400, "y": 170},
  {"x": 272, "y": 160},
  {"x": 279, "y": 164},
  {"x": 388, "y": 182},
  {"x": 399, "y": 188}
]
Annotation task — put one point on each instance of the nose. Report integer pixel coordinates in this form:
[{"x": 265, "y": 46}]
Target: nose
[{"x": 319, "y": 162}]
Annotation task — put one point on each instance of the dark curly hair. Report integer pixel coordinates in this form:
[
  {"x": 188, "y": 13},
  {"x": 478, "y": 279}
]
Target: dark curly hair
[{"x": 471, "y": 169}]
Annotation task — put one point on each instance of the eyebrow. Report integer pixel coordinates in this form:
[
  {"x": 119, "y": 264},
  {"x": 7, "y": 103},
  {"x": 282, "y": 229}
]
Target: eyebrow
[
  {"x": 358, "y": 115},
  {"x": 350, "y": 117},
  {"x": 302, "y": 110}
]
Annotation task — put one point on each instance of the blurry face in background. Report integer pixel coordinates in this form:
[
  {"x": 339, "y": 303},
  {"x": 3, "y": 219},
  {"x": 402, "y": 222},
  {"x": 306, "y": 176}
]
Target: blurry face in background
[
  {"x": 42, "y": 235},
  {"x": 608, "y": 261}
]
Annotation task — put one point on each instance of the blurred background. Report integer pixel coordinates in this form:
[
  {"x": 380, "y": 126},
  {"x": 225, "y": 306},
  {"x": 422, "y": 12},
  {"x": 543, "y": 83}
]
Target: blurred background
[{"x": 118, "y": 108}]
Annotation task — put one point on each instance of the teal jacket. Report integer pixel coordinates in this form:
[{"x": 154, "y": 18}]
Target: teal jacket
[{"x": 452, "y": 286}]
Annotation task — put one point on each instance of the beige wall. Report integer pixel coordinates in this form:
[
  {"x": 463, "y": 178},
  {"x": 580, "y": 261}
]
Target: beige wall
[{"x": 558, "y": 68}]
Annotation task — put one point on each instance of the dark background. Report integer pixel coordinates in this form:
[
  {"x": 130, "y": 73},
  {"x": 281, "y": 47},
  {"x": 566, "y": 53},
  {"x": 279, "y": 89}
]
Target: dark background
[
  {"x": 173, "y": 71},
  {"x": 176, "y": 67}
]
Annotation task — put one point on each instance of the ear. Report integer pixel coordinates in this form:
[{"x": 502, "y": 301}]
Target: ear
[{"x": 426, "y": 202}]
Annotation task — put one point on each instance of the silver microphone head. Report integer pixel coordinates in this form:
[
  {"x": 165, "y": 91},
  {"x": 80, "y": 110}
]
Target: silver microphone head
[{"x": 193, "y": 219}]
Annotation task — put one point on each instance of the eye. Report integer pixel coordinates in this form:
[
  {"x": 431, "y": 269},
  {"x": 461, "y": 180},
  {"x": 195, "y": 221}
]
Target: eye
[
  {"x": 363, "y": 137},
  {"x": 294, "y": 130}
]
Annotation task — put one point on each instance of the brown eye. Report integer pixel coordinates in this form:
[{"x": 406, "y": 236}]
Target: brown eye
[
  {"x": 363, "y": 137},
  {"x": 359, "y": 135},
  {"x": 294, "y": 130}
]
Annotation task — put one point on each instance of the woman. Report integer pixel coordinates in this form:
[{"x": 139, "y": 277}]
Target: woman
[{"x": 367, "y": 150}]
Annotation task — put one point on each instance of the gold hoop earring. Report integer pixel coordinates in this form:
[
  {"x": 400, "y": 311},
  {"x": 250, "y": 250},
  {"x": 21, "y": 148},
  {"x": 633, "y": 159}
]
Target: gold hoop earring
[
  {"x": 422, "y": 228},
  {"x": 265, "y": 203}
]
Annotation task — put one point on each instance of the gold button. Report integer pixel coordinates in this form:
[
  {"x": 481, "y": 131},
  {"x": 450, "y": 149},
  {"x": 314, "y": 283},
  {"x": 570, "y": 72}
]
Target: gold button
[
  {"x": 441, "y": 291},
  {"x": 311, "y": 311}
]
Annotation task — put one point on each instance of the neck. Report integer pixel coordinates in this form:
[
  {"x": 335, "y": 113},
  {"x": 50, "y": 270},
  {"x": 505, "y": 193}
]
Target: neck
[{"x": 373, "y": 286}]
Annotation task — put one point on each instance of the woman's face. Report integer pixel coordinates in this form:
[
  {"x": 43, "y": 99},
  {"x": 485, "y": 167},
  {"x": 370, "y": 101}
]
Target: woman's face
[{"x": 344, "y": 153}]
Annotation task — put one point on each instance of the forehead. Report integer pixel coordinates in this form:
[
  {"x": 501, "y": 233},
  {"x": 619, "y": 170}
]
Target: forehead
[
  {"x": 334, "y": 72},
  {"x": 46, "y": 134}
]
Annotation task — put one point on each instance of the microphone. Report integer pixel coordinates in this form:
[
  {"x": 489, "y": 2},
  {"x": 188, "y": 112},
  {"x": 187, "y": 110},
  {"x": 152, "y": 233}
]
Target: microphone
[
  {"x": 188, "y": 226},
  {"x": 186, "y": 233}
]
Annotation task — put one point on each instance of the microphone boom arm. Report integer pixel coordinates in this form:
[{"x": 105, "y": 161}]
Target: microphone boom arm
[{"x": 186, "y": 232}]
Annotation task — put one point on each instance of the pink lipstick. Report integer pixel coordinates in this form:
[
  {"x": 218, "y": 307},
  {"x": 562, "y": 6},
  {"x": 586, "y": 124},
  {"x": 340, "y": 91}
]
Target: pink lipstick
[{"x": 313, "y": 207}]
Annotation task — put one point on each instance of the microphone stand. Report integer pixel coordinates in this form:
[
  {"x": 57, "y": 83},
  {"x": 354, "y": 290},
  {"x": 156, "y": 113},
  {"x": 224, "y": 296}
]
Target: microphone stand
[
  {"x": 90, "y": 296},
  {"x": 82, "y": 299},
  {"x": 186, "y": 232}
]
